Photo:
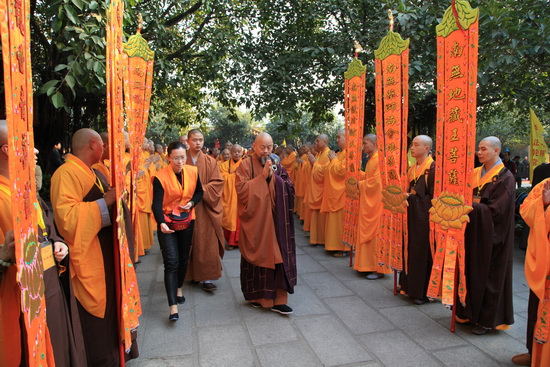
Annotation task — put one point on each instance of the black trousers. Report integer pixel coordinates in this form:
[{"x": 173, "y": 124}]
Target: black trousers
[
  {"x": 175, "y": 249},
  {"x": 532, "y": 312}
]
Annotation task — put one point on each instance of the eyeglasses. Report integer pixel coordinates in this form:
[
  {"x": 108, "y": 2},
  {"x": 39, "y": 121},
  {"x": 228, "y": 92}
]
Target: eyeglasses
[{"x": 179, "y": 159}]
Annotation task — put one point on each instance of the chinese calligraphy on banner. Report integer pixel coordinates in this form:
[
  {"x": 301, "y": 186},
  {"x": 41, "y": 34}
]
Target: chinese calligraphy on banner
[
  {"x": 19, "y": 115},
  {"x": 127, "y": 289},
  {"x": 457, "y": 54},
  {"x": 354, "y": 108},
  {"x": 538, "y": 150},
  {"x": 392, "y": 96}
]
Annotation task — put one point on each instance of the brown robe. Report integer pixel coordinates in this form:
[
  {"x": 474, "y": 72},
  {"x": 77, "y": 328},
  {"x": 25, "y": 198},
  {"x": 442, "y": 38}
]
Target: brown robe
[
  {"x": 489, "y": 242},
  {"x": 208, "y": 241}
]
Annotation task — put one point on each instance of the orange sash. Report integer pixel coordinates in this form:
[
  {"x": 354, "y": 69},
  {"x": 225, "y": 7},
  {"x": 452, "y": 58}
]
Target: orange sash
[
  {"x": 479, "y": 182},
  {"x": 174, "y": 193},
  {"x": 415, "y": 174}
]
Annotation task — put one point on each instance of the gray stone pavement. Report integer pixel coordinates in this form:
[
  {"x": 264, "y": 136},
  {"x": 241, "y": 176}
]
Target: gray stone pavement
[{"x": 339, "y": 319}]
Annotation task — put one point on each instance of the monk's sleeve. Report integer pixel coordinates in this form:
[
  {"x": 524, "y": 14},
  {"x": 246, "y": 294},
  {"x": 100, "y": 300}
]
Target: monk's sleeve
[
  {"x": 251, "y": 192},
  {"x": 214, "y": 187},
  {"x": 337, "y": 167},
  {"x": 318, "y": 172},
  {"x": 537, "y": 257},
  {"x": 502, "y": 192},
  {"x": 78, "y": 222}
]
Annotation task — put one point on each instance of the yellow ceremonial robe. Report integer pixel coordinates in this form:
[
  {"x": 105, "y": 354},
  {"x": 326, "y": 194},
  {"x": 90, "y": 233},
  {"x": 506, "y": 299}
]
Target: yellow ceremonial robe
[
  {"x": 306, "y": 210},
  {"x": 370, "y": 211},
  {"x": 229, "y": 196},
  {"x": 315, "y": 198},
  {"x": 334, "y": 199},
  {"x": 288, "y": 163}
]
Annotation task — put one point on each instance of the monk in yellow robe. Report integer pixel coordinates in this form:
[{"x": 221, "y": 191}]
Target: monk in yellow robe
[
  {"x": 225, "y": 156},
  {"x": 208, "y": 241},
  {"x": 162, "y": 161},
  {"x": 103, "y": 165},
  {"x": 334, "y": 198},
  {"x": 370, "y": 211},
  {"x": 297, "y": 183},
  {"x": 230, "y": 219},
  {"x": 306, "y": 174},
  {"x": 81, "y": 199},
  {"x": 319, "y": 164},
  {"x": 289, "y": 162},
  {"x": 300, "y": 184},
  {"x": 144, "y": 193}
]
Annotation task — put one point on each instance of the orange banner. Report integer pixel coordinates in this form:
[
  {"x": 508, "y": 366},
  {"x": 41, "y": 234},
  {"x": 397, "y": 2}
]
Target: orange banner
[
  {"x": 128, "y": 300},
  {"x": 138, "y": 80},
  {"x": 19, "y": 115},
  {"x": 354, "y": 109},
  {"x": 457, "y": 54},
  {"x": 392, "y": 96}
]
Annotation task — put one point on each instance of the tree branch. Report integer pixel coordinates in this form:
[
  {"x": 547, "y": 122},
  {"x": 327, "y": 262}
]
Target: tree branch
[
  {"x": 188, "y": 45},
  {"x": 178, "y": 18},
  {"x": 37, "y": 31}
]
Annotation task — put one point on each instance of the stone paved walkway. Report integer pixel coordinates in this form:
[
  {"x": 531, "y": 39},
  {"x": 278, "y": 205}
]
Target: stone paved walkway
[{"x": 340, "y": 319}]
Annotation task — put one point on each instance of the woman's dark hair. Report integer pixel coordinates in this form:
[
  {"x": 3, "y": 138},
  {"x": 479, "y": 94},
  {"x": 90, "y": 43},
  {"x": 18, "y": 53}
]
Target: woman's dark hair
[{"x": 175, "y": 145}]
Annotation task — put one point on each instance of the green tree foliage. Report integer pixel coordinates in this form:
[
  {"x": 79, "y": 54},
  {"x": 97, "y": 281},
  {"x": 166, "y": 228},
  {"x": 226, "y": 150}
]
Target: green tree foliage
[{"x": 229, "y": 126}]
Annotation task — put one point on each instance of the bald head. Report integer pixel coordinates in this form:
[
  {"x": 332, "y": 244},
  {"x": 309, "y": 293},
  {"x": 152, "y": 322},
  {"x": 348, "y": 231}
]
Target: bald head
[
  {"x": 369, "y": 144},
  {"x": 105, "y": 138},
  {"x": 263, "y": 145},
  {"x": 3, "y": 132},
  {"x": 321, "y": 142},
  {"x": 421, "y": 147},
  {"x": 371, "y": 138},
  {"x": 341, "y": 139},
  {"x": 488, "y": 151},
  {"x": 236, "y": 152},
  {"x": 493, "y": 142},
  {"x": 426, "y": 140},
  {"x": 87, "y": 146}
]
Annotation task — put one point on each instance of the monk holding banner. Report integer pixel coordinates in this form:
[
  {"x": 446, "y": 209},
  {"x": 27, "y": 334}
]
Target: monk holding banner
[
  {"x": 415, "y": 276},
  {"x": 205, "y": 264},
  {"x": 370, "y": 211},
  {"x": 81, "y": 199},
  {"x": 319, "y": 164},
  {"x": 268, "y": 262},
  {"x": 489, "y": 241},
  {"x": 230, "y": 221},
  {"x": 334, "y": 198}
]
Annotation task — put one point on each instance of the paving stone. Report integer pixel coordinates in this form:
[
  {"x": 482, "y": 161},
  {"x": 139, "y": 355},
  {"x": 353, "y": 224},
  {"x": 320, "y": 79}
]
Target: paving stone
[
  {"x": 267, "y": 327},
  {"x": 326, "y": 285},
  {"x": 422, "y": 329},
  {"x": 519, "y": 329},
  {"x": 376, "y": 295},
  {"x": 217, "y": 308},
  {"x": 394, "y": 348},
  {"x": 305, "y": 264},
  {"x": 358, "y": 317},
  {"x": 339, "y": 267},
  {"x": 331, "y": 342},
  {"x": 519, "y": 304},
  {"x": 165, "y": 362},
  {"x": 225, "y": 345},
  {"x": 522, "y": 294},
  {"x": 145, "y": 282},
  {"x": 435, "y": 310},
  {"x": 232, "y": 267},
  {"x": 291, "y": 354},
  {"x": 305, "y": 302},
  {"x": 465, "y": 356},
  {"x": 164, "y": 338},
  {"x": 233, "y": 254}
]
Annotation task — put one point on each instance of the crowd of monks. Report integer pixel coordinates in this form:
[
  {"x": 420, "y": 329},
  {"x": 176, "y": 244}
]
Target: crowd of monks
[{"x": 250, "y": 200}]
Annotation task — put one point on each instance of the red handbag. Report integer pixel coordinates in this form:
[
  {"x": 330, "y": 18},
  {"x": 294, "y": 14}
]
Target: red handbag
[{"x": 178, "y": 223}]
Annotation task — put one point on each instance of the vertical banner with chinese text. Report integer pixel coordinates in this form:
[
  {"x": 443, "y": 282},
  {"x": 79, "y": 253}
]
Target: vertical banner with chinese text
[
  {"x": 392, "y": 95},
  {"x": 457, "y": 50},
  {"x": 138, "y": 80},
  {"x": 354, "y": 110},
  {"x": 129, "y": 301},
  {"x": 16, "y": 37},
  {"x": 538, "y": 150}
]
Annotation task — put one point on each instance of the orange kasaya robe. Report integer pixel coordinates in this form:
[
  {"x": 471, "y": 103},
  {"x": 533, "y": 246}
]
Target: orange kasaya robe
[
  {"x": 161, "y": 163},
  {"x": 298, "y": 183},
  {"x": 144, "y": 193},
  {"x": 289, "y": 162},
  {"x": 230, "y": 219},
  {"x": 104, "y": 167},
  {"x": 306, "y": 210},
  {"x": 208, "y": 239},
  {"x": 370, "y": 211},
  {"x": 315, "y": 198},
  {"x": 537, "y": 269},
  {"x": 334, "y": 199}
]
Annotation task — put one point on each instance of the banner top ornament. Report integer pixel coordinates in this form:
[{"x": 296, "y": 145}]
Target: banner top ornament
[
  {"x": 459, "y": 16},
  {"x": 137, "y": 46},
  {"x": 391, "y": 44},
  {"x": 355, "y": 68}
]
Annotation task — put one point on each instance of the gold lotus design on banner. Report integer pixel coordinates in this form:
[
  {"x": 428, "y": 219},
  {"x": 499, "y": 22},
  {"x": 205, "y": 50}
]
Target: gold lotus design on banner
[
  {"x": 449, "y": 211},
  {"x": 394, "y": 199}
]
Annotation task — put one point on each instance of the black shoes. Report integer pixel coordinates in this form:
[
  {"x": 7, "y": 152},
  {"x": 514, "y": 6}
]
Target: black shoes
[
  {"x": 174, "y": 317},
  {"x": 282, "y": 309},
  {"x": 209, "y": 287},
  {"x": 180, "y": 300},
  {"x": 256, "y": 304},
  {"x": 480, "y": 330},
  {"x": 420, "y": 301}
]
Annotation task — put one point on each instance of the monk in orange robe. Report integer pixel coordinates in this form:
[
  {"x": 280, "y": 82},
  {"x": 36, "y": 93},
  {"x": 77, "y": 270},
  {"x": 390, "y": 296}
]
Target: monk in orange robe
[
  {"x": 370, "y": 211},
  {"x": 306, "y": 171},
  {"x": 537, "y": 269},
  {"x": 208, "y": 241},
  {"x": 334, "y": 198},
  {"x": 144, "y": 193},
  {"x": 297, "y": 183},
  {"x": 162, "y": 160},
  {"x": 225, "y": 156},
  {"x": 300, "y": 185},
  {"x": 230, "y": 219},
  {"x": 103, "y": 165},
  {"x": 81, "y": 199},
  {"x": 289, "y": 162},
  {"x": 319, "y": 164},
  {"x": 265, "y": 196}
]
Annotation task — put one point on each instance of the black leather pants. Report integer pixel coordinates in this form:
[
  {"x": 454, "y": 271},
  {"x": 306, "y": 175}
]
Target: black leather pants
[{"x": 175, "y": 254}]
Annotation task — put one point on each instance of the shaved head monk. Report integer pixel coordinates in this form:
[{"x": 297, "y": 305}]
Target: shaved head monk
[
  {"x": 334, "y": 198},
  {"x": 230, "y": 220},
  {"x": 225, "y": 156},
  {"x": 319, "y": 164},
  {"x": 208, "y": 241},
  {"x": 300, "y": 184},
  {"x": 289, "y": 162},
  {"x": 103, "y": 165},
  {"x": 81, "y": 199},
  {"x": 265, "y": 205},
  {"x": 370, "y": 212},
  {"x": 414, "y": 279},
  {"x": 489, "y": 243}
]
